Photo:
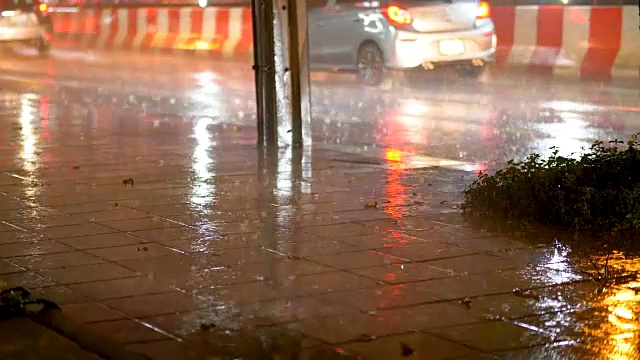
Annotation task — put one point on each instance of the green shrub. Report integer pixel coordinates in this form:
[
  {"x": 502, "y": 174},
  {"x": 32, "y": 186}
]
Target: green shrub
[{"x": 597, "y": 193}]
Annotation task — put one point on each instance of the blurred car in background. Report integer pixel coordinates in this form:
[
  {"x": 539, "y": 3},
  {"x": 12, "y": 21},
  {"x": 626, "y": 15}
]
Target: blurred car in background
[
  {"x": 372, "y": 37},
  {"x": 28, "y": 22}
]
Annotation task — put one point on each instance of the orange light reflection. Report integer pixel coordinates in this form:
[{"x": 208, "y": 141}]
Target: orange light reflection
[{"x": 396, "y": 197}]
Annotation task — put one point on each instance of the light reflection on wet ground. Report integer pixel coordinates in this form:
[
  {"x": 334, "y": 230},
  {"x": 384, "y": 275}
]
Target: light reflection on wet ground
[{"x": 213, "y": 231}]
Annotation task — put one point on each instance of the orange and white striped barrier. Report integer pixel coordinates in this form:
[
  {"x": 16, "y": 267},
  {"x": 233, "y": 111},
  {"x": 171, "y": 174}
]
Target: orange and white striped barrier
[
  {"x": 600, "y": 42},
  {"x": 214, "y": 31}
]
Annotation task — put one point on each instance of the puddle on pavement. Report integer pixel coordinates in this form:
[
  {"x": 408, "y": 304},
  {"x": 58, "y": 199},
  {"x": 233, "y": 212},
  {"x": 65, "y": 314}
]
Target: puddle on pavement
[{"x": 584, "y": 299}]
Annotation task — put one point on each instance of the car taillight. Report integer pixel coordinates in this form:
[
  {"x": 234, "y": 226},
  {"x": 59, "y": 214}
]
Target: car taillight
[
  {"x": 398, "y": 15},
  {"x": 483, "y": 11},
  {"x": 43, "y": 8}
]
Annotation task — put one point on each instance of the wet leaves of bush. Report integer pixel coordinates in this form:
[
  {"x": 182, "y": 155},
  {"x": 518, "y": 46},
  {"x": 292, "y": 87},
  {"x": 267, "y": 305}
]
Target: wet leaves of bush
[{"x": 597, "y": 193}]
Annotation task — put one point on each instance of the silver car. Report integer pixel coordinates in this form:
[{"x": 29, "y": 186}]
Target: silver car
[
  {"x": 26, "y": 21},
  {"x": 372, "y": 37}
]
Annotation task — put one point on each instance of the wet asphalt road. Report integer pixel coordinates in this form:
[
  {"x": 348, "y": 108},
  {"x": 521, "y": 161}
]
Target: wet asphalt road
[{"x": 439, "y": 117}]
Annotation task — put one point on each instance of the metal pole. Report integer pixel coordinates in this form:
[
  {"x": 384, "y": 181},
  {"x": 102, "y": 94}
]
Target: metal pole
[
  {"x": 282, "y": 72},
  {"x": 257, "y": 54},
  {"x": 264, "y": 72},
  {"x": 294, "y": 71}
]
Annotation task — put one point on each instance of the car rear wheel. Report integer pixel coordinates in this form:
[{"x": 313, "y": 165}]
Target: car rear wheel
[
  {"x": 472, "y": 72},
  {"x": 370, "y": 65}
]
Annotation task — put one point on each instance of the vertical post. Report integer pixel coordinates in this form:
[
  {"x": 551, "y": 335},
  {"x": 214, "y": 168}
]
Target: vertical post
[
  {"x": 264, "y": 71},
  {"x": 299, "y": 68},
  {"x": 281, "y": 68}
]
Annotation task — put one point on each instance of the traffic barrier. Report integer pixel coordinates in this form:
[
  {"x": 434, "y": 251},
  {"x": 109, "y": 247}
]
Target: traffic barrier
[
  {"x": 598, "y": 42},
  {"x": 581, "y": 41},
  {"x": 224, "y": 33}
]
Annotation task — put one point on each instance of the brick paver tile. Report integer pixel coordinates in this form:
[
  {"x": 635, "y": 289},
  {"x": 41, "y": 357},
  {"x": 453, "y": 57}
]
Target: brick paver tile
[
  {"x": 147, "y": 223},
  {"x": 485, "y": 243},
  {"x": 19, "y": 236},
  {"x": 101, "y": 241},
  {"x": 205, "y": 243},
  {"x": 120, "y": 288},
  {"x": 21, "y": 338},
  {"x": 341, "y": 329},
  {"x": 418, "y": 346},
  {"x": 90, "y": 312},
  {"x": 242, "y": 227},
  {"x": 491, "y": 283},
  {"x": 294, "y": 309},
  {"x": 381, "y": 297},
  {"x": 127, "y": 331},
  {"x": 474, "y": 264},
  {"x": 161, "y": 265},
  {"x": 88, "y": 273},
  {"x": 248, "y": 255},
  {"x": 542, "y": 300},
  {"x": 492, "y": 336},
  {"x": 115, "y": 214},
  {"x": 167, "y": 234},
  {"x": 380, "y": 241},
  {"x": 32, "y": 248},
  {"x": 129, "y": 252},
  {"x": 355, "y": 260},
  {"x": 327, "y": 282},
  {"x": 203, "y": 278},
  {"x": 59, "y": 232},
  {"x": 7, "y": 227},
  {"x": 316, "y": 247},
  {"x": 339, "y": 231},
  {"x": 428, "y": 316},
  {"x": 402, "y": 272},
  {"x": 279, "y": 271},
  {"x": 41, "y": 222},
  {"x": 504, "y": 306},
  {"x": 242, "y": 293},
  {"x": 425, "y": 251},
  {"x": 8, "y": 268},
  {"x": 52, "y": 261},
  {"x": 80, "y": 209},
  {"x": 156, "y": 304},
  {"x": 27, "y": 279},
  {"x": 184, "y": 324},
  {"x": 583, "y": 323},
  {"x": 560, "y": 350},
  {"x": 61, "y": 295},
  {"x": 167, "y": 350}
]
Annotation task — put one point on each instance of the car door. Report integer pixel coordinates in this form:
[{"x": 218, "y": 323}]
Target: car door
[
  {"x": 316, "y": 10},
  {"x": 342, "y": 31}
]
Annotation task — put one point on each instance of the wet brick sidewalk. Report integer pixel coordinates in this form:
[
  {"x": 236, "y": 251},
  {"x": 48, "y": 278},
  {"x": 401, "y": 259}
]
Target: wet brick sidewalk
[
  {"x": 154, "y": 233},
  {"x": 22, "y": 339}
]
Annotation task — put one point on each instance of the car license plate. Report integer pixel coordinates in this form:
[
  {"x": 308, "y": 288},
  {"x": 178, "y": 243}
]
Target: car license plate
[{"x": 451, "y": 47}]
